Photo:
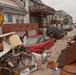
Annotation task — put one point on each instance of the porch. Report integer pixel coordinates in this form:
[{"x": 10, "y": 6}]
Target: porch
[
  {"x": 42, "y": 15},
  {"x": 42, "y": 7}
]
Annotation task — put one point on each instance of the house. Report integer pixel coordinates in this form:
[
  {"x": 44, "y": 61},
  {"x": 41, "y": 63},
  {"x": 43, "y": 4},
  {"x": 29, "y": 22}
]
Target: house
[
  {"x": 62, "y": 18},
  {"x": 40, "y": 13},
  {"x": 13, "y": 11},
  {"x": 16, "y": 14},
  {"x": 27, "y": 11}
]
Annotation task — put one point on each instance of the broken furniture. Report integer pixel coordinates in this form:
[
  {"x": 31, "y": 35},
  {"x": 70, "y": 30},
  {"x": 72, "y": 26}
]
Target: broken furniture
[
  {"x": 44, "y": 56},
  {"x": 13, "y": 57}
]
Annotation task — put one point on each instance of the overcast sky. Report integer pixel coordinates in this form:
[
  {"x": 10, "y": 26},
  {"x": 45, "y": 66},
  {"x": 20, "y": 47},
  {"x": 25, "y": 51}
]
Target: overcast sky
[{"x": 69, "y": 6}]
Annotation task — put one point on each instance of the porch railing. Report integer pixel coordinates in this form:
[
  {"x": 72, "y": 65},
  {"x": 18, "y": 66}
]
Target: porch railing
[{"x": 41, "y": 8}]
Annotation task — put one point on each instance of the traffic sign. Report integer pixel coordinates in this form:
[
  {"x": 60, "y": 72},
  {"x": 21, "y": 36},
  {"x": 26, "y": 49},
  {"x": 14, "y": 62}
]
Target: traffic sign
[{"x": 1, "y": 19}]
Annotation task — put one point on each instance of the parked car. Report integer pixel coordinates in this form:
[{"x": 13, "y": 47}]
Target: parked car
[
  {"x": 39, "y": 43},
  {"x": 68, "y": 27},
  {"x": 56, "y": 32},
  {"x": 63, "y": 31}
]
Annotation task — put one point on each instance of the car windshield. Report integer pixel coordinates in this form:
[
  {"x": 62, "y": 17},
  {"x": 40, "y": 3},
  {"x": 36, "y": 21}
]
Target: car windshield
[
  {"x": 31, "y": 40},
  {"x": 53, "y": 29}
]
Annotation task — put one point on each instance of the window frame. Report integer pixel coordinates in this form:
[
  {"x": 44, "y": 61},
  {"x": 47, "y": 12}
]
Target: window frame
[
  {"x": 20, "y": 18},
  {"x": 9, "y": 15}
]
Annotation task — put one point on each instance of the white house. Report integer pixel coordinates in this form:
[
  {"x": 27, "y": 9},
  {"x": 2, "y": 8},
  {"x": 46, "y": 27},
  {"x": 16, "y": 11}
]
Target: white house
[
  {"x": 64, "y": 17},
  {"x": 13, "y": 11},
  {"x": 17, "y": 11}
]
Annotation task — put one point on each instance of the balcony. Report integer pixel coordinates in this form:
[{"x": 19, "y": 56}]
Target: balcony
[
  {"x": 40, "y": 8},
  {"x": 56, "y": 22}
]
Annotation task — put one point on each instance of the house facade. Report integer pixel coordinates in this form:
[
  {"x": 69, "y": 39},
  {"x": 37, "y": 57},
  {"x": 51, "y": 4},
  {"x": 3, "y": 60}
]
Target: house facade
[
  {"x": 27, "y": 11},
  {"x": 40, "y": 13},
  {"x": 16, "y": 12},
  {"x": 62, "y": 18},
  {"x": 13, "y": 11}
]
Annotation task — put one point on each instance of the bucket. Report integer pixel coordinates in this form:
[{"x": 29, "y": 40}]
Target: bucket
[{"x": 15, "y": 41}]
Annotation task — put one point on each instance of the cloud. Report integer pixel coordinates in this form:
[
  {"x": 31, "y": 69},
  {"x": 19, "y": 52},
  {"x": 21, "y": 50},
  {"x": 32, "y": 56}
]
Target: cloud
[{"x": 69, "y": 6}]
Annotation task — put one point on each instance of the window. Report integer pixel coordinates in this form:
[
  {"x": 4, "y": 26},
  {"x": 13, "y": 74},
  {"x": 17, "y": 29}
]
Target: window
[
  {"x": 17, "y": 18},
  {"x": 9, "y": 17},
  {"x": 21, "y": 19},
  {"x": 30, "y": 19},
  {"x": 47, "y": 38},
  {"x": 24, "y": 3},
  {"x": 41, "y": 40},
  {"x": 33, "y": 20}
]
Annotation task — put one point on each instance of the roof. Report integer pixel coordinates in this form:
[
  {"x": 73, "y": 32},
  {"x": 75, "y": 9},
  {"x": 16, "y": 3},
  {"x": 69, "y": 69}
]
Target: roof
[{"x": 63, "y": 13}]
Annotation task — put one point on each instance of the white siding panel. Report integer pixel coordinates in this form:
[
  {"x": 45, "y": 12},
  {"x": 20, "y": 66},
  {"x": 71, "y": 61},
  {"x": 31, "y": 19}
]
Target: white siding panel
[{"x": 32, "y": 32}]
